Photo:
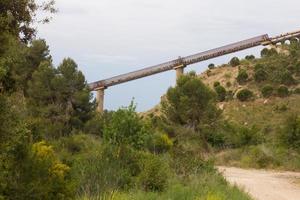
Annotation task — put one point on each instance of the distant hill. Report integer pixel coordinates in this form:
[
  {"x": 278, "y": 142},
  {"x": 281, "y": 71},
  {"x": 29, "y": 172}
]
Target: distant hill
[{"x": 278, "y": 67}]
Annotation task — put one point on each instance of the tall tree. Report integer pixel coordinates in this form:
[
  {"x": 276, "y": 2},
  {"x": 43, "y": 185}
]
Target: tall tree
[
  {"x": 59, "y": 99},
  {"x": 190, "y": 103},
  {"x": 18, "y": 16}
]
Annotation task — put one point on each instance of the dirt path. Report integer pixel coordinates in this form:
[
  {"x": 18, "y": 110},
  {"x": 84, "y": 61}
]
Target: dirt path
[{"x": 265, "y": 185}]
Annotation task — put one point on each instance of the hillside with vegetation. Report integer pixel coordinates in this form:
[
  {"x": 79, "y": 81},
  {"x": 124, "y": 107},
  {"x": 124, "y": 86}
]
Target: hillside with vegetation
[{"x": 261, "y": 97}]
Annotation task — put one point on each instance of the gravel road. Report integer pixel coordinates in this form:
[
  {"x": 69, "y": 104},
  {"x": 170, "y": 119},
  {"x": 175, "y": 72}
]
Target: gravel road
[{"x": 264, "y": 184}]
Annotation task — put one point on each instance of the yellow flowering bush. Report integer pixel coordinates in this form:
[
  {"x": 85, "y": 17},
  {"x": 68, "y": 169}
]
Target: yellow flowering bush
[{"x": 48, "y": 179}]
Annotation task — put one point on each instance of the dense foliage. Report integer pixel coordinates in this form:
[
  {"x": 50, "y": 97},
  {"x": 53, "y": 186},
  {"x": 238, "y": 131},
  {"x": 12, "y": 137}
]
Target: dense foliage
[
  {"x": 191, "y": 103},
  {"x": 235, "y": 61},
  {"x": 221, "y": 93},
  {"x": 244, "y": 95},
  {"x": 242, "y": 76}
]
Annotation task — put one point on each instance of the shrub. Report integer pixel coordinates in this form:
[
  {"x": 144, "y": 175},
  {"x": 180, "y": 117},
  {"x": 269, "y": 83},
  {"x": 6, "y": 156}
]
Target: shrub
[
  {"x": 242, "y": 77},
  {"x": 211, "y": 66},
  {"x": 186, "y": 162},
  {"x": 286, "y": 78},
  {"x": 248, "y": 136},
  {"x": 105, "y": 169},
  {"x": 217, "y": 83},
  {"x": 244, "y": 95},
  {"x": 281, "y": 108},
  {"x": 250, "y": 57},
  {"x": 289, "y": 136},
  {"x": 268, "y": 52},
  {"x": 160, "y": 143},
  {"x": 190, "y": 103},
  {"x": 154, "y": 176},
  {"x": 282, "y": 91},
  {"x": 235, "y": 61},
  {"x": 239, "y": 136},
  {"x": 260, "y": 75},
  {"x": 267, "y": 91},
  {"x": 258, "y": 158},
  {"x": 297, "y": 91},
  {"x": 258, "y": 66},
  {"x": 44, "y": 176},
  {"x": 96, "y": 124},
  {"x": 221, "y": 93},
  {"x": 264, "y": 52},
  {"x": 125, "y": 128}
]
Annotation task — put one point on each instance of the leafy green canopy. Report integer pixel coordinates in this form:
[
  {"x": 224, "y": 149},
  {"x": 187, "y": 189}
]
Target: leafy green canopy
[
  {"x": 17, "y": 17},
  {"x": 58, "y": 99},
  {"x": 27, "y": 170},
  {"x": 126, "y": 128},
  {"x": 190, "y": 103},
  {"x": 289, "y": 135}
]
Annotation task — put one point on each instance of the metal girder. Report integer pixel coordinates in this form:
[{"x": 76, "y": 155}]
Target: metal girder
[{"x": 188, "y": 60}]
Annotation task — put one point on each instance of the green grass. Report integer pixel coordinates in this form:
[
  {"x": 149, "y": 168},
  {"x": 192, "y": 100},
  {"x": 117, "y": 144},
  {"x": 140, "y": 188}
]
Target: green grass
[
  {"x": 262, "y": 156},
  {"x": 205, "y": 184},
  {"x": 204, "y": 187},
  {"x": 265, "y": 116}
]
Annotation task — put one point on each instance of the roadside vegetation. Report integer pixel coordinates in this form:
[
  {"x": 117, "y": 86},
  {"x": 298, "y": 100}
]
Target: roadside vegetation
[{"x": 261, "y": 109}]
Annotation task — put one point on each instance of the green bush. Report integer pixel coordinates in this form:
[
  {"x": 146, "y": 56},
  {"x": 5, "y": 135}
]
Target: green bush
[
  {"x": 268, "y": 52},
  {"x": 159, "y": 143},
  {"x": 186, "y": 162},
  {"x": 44, "y": 176},
  {"x": 217, "y": 83},
  {"x": 250, "y": 57},
  {"x": 258, "y": 158},
  {"x": 260, "y": 75},
  {"x": 285, "y": 77},
  {"x": 242, "y": 76},
  {"x": 264, "y": 52},
  {"x": 211, "y": 66},
  {"x": 282, "y": 91},
  {"x": 258, "y": 67},
  {"x": 281, "y": 107},
  {"x": 248, "y": 136},
  {"x": 190, "y": 102},
  {"x": 214, "y": 135},
  {"x": 297, "y": 91},
  {"x": 96, "y": 124},
  {"x": 267, "y": 91},
  {"x": 155, "y": 173},
  {"x": 238, "y": 136},
  {"x": 221, "y": 93},
  {"x": 289, "y": 136},
  {"x": 126, "y": 128},
  {"x": 235, "y": 61},
  {"x": 244, "y": 95},
  {"x": 106, "y": 169}
]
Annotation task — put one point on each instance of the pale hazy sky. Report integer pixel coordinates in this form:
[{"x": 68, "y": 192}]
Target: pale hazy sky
[{"x": 110, "y": 37}]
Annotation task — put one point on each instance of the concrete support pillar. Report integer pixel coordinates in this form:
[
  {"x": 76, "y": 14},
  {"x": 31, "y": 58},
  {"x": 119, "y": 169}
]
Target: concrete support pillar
[
  {"x": 179, "y": 71},
  {"x": 100, "y": 100}
]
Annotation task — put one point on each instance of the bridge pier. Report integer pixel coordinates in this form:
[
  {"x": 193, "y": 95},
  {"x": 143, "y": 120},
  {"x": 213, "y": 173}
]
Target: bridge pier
[
  {"x": 179, "y": 71},
  {"x": 100, "y": 99}
]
